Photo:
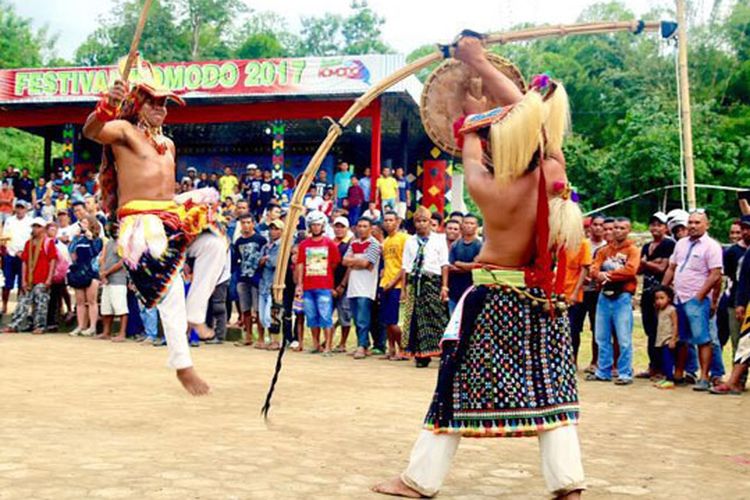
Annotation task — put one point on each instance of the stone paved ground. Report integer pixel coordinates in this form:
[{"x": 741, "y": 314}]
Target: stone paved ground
[{"x": 81, "y": 418}]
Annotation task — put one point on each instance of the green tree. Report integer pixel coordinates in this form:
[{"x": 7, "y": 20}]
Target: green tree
[
  {"x": 162, "y": 39},
  {"x": 265, "y": 34},
  {"x": 362, "y": 31},
  {"x": 20, "y": 45},
  {"x": 260, "y": 45},
  {"x": 207, "y": 24},
  {"x": 321, "y": 36},
  {"x": 331, "y": 34}
]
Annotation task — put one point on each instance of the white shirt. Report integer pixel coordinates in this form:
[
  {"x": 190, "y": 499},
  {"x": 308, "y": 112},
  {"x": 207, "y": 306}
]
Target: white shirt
[
  {"x": 364, "y": 282},
  {"x": 67, "y": 233},
  {"x": 313, "y": 202},
  {"x": 19, "y": 232},
  {"x": 435, "y": 253}
]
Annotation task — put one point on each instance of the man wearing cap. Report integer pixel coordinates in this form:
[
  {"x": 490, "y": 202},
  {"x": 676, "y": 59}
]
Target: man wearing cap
[
  {"x": 654, "y": 262},
  {"x": 16, "y": 232},
  {"x": 734, "y": 256},
  {"x": 694, "y": 269},
  {"x": 192, "y": 175},
  {"x": 137, "y": 181},
  {"x": 677, "y": 221},
  {"x": 268, "y": 260},
  {"x": 39, "y": 258}
]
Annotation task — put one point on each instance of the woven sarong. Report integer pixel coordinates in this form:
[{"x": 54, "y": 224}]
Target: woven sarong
[
  {"x": 426, "y": 316},
  {"x": 153, "y": 240},
  {"x": 510, "y": 371}
]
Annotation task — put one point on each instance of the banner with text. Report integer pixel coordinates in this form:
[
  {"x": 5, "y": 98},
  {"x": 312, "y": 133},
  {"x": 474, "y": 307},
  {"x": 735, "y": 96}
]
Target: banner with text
[{"x": 324, "y": 75}]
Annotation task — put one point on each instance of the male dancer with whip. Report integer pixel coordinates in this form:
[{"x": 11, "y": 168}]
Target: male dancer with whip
[{"x": 157, "y": 231}]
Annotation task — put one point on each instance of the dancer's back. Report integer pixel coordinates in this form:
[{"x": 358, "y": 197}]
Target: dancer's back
[{"x": 509, "y": 212}]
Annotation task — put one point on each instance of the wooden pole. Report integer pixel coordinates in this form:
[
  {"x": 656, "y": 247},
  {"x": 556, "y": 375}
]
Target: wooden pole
[
  {"x": 136, "y": 40},
  {"x": 684, "y": 83}
]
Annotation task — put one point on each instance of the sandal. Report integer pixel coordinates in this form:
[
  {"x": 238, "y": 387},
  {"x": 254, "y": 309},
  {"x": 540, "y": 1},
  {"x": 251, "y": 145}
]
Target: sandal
[
  {"x": 241, "y": 343},
  {"x": 723, "y": 390},
  {"x": 593, "y": 377},
  {"x": 339, "y": 349}
]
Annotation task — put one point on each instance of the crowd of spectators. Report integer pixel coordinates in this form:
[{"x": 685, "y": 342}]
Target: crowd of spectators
[{"x": 352, "y": 261}]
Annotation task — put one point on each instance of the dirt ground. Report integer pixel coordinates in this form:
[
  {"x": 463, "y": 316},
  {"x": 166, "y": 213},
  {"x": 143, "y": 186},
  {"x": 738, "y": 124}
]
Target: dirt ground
[{"x": 81, "y": 418}]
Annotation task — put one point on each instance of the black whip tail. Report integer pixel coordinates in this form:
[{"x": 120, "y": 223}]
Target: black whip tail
[{"x": 277, "y": 312}]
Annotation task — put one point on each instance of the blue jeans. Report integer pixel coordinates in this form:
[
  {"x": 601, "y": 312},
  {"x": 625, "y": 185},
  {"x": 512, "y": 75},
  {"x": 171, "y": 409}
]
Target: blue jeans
[
  {"x": 354, "y": 213},
  {"x": 617, "y": 313},
  {"x": 698, "y": 328},
  {"x": 150, "y": 319},
  {"x": 361, "y": 309},
  {"x": 318, "y": 306}
]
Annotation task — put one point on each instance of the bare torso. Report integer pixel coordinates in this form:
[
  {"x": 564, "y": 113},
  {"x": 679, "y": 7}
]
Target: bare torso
[
  {"x": 143, "y": 173},
  {"x": 510, "y": 214}
]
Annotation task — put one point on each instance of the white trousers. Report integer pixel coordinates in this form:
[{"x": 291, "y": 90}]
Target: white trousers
[
  {"x": 210, "y": 254},
  {"x": 432, "y": 455},
  {"x": 175, "y": 310}
]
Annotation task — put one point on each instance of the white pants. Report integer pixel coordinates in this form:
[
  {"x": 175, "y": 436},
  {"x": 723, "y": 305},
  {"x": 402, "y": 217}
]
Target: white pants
[
  {"x": 175, "y": 310},
  {"x": 210, "y": 254},
  {"x": 432, "y": 455}
]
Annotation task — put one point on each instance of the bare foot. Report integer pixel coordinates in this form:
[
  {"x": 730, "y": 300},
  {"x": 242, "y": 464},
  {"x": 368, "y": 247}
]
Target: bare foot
[
  {"x": 203, "y": 331},
  {"x": 38, "y": 331},
  {"x": 8, "y": 329},
  {"x": 102, "y": 336},
  {"x": 119, "y": 338},
  {"x": 395, "y": 487},
  {"x": 192, "y": 382},
  {"x": 261, "y": 345}
]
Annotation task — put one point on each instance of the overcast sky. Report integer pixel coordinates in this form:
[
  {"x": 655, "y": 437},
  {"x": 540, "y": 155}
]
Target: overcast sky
[{"x": 409, "y": 23}]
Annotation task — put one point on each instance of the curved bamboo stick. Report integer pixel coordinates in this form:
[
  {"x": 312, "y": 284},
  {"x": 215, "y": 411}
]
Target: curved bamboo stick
[
  {"x": 361, "y": 103},
  {"x": 336, "y": 129}
]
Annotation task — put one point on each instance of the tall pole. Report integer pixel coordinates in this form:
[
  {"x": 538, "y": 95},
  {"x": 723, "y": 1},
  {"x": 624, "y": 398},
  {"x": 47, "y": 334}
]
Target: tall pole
[{"x": 684, "y": 83}]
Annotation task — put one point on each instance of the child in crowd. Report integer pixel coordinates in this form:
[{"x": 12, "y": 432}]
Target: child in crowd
[{"x": 666, "y": 334}]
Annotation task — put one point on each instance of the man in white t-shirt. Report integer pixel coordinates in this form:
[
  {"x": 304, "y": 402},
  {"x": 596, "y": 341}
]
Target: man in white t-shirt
[
  {"x": 16, "y": 232},
  {"x": 363, "y": 260}
]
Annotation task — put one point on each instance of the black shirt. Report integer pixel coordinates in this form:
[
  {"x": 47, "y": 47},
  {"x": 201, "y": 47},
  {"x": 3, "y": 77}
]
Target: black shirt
[
  {"x": 458, "y": 282},
  {"x": 733, "y": 257},
  {"x": 247, "y": 257},
  {"x": 340, "y": 271},
  {"x": 322, "y": 186},
  {"x": 664, "y": 250},
  {"x": 23, "y": 188}
]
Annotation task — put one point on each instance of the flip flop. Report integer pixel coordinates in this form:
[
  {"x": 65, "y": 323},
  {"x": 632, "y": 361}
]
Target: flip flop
[
  {"x": 723, "y": 390},
  {"x": 240, "y": 343}
]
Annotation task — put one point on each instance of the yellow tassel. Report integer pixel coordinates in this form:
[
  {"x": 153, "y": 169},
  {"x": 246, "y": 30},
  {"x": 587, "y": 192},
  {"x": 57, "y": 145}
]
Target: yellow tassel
[
  {"x": 514, "y": 140},
  {"x": 557, "y": 118},
  {"x": 565, "y": 223}
]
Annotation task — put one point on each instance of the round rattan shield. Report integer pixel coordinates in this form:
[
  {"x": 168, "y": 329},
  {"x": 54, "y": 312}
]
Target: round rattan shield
[{"x": 443, "y": 95}]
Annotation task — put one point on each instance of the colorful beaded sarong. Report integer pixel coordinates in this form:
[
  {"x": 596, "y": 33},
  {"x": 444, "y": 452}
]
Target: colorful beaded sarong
[{"x": 511, "y": 371}]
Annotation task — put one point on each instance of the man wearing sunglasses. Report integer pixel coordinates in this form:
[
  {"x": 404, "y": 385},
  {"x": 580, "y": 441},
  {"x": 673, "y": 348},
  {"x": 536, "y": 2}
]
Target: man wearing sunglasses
[{"x": 158, "y": 230}]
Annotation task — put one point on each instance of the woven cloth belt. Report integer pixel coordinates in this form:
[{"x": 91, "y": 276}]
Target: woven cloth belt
[{"x": 508, "y": 277}]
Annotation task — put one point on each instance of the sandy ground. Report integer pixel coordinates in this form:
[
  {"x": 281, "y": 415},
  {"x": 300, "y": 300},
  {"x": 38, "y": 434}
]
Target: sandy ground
[{"x": 81, "y": 418}]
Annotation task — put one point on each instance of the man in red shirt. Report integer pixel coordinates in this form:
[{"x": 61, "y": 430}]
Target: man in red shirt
[
  {"x": 317, "y": 259},
  {"x": 39, "y": 258}
]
